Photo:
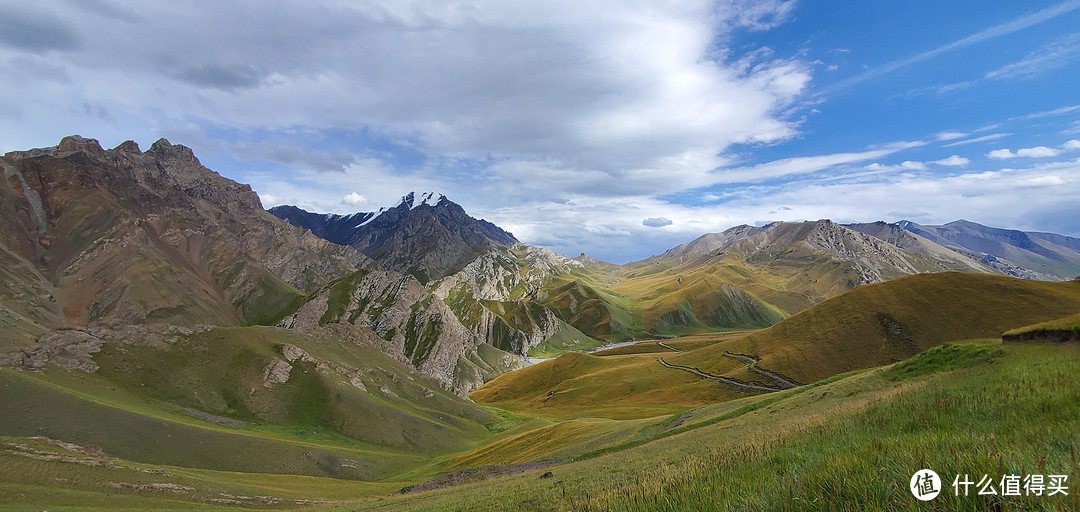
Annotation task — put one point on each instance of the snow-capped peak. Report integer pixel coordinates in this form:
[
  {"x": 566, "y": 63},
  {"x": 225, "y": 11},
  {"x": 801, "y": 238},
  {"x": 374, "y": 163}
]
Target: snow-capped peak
[
  {"x": 372, "y": 217},
  {"x": 414, "y": 199}
]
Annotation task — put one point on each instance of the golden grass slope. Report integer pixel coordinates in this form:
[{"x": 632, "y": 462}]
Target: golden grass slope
[
  {"x": 577, "y": 385},
  {"x": 1061, "y": 330},
  {"x": 886, "y": 322},
  {"x": 868, "y": 326},
  {"x": 848, "y": 443}
]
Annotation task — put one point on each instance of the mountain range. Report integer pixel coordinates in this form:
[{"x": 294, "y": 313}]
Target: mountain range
[
  {"x": 119, "y": 237},
  {"x": 156, "y": 320}
]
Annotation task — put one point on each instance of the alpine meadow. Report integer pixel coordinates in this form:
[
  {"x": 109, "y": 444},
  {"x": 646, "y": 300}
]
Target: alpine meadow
[{"x": 827, "y": 256}]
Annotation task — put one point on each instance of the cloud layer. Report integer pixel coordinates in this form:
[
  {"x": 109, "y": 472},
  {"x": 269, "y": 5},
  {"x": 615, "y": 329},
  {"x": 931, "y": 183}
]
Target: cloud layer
[
  {"x": 548, "y": 95},
  {"x": 617, "y": 127}
]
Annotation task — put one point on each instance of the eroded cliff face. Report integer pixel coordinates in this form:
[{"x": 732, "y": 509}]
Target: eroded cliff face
[
  {"x": 399, "y": 316},
  {"x": 462, "y": 330},
  {"x": 496, "y": 296},
  {"x": 122, "y": 236}
]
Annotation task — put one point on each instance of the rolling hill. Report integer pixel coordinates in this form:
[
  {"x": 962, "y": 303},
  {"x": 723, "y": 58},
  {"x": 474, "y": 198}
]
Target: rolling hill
[
  {"x": 249, "y": 399},
  {"x": 886, "y": 322},
  {"x": 871, "y": 325},
  {"x": 810, "y": 443}
]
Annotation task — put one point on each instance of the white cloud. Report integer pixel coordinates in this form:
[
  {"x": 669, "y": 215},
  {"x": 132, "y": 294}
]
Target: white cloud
[
  {"x": 951, "y": 135},
  {"x": 806, "y": 164},
  {"x": 952, "y": 161},
  {"x": 1050, "y": 113},
  {"x": 906, "y": 165},
  {"x": 984, "y": 138},
  {"x": 909, "y": 165},
  {"x": 632, "y": 92},
  {"x": 1050, "y": 57},
  {"x": 1041, "y": 181},
  {"x": 1035, "y": 152},
  {"x": 354, "y": 199},
  {"x": 1038, "y": 152},
  {"x": 656, "y": 222}
]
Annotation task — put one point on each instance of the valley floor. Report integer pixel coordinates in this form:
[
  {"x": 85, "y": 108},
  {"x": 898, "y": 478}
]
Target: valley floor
[{"x": 850, "y": 442}]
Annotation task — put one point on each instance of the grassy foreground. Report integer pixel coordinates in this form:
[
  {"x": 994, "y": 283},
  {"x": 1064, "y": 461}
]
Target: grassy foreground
[{"x": 851, "y": 442}]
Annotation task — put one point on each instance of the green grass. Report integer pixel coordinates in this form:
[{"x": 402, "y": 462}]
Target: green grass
[
  {"x": 583, "y": 301},
  {"x": 35, "y": 410},
  {"x": 317, "y": 423},
  {"x": 869, "y": 326},
  {"x": 579, "y": 385},
  {"x": 565, "y": 338},
  {"x": 849, "y": 444},
  {"x": 37, "y": 474},
  {"x": 949, "y": 356},
  {"x": 635, "y": 435}
]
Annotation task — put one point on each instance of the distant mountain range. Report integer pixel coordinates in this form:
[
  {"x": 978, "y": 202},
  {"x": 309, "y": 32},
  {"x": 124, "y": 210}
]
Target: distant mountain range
[
  {"x": 96, "y": 237},
  {"x": 1031, "y": 255}
]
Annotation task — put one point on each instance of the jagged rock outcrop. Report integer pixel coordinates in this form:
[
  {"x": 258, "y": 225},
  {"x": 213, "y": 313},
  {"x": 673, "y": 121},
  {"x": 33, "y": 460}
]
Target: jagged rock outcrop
[
  {"x": 427, "y": 236},
  {"x": 397, "y": 314},
  {"x": 122, "y": 236},
  {"x": 498, "y": 296},
  {"x": 462, "y": 330}
]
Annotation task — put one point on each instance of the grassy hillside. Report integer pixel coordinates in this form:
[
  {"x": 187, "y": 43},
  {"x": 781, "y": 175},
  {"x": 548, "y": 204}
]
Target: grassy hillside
[
  {"x": 579, "y": 385},
  {"x": 583, "y": 300},
  {"x": 869, "y": 326},
  {"x": 223, "y": 399},
  {"x": 887, "y": 322},
  {"x": 39, "y": 473},
  {"x": 849, "y": 443},
  {"x": 1059, "y": 329},
  {"x": 1071, "y": 322}
]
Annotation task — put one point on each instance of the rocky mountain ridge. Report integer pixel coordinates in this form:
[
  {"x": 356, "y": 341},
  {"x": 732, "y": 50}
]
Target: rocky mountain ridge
[
  {"x": 1029, "y": 255},
  {"x": 426, "y": 236},
  {"x": 122, "y": 236}
]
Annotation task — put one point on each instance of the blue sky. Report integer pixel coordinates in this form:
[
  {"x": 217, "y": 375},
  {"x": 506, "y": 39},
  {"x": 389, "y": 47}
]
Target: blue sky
[{"x": 615, "y": 128}]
